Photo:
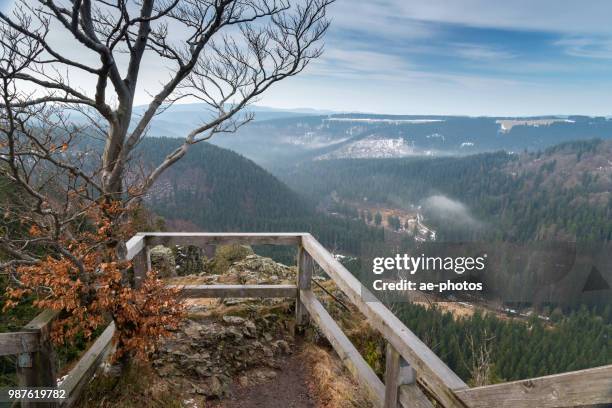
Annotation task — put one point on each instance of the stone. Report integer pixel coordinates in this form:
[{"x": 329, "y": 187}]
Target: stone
[
  {"x": 233, "y": 334},
  {"x": 235, "y": 320},
  {"x": 217, "y": 387},
  {"x": 193, "y": 330},
  {"x": 202, "y": 372},
  {"x": 189, "y": 259},
  {"x": 162, "y": 261},
  {"x": 250, "y": 330},
  {"x": 283, "y": 346},
  {"x": 166, "y": 370}
]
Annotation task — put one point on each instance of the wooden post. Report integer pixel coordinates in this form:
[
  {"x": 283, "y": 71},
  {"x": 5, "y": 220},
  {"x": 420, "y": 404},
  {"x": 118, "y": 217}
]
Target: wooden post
[
  {"x": 400, "y": 383},
  {"x": 392, "y": 377},
  {"x": 305, "y": 267},
  {"x": 38, "y": 368},
  {"x": 141, "y": 264}
]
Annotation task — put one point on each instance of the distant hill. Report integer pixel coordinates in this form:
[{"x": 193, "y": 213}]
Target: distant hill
[
  {"x": 179, "y": 119},
  {"x": 214, "y": 189},
  {"x": 219, "y": 189},
  {"x": 284, "y": 141}
]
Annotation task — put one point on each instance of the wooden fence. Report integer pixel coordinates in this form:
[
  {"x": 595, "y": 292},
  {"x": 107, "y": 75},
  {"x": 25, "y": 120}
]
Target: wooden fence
[{"x": 414, "y": 375}]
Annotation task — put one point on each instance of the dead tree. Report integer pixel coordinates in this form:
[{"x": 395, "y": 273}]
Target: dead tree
[{"x": 225, "y": 53}]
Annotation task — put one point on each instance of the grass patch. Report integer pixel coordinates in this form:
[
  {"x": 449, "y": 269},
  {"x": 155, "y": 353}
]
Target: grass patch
[
  {"x": 137, "y": 387},
  {"x": 332, "y": 385}
]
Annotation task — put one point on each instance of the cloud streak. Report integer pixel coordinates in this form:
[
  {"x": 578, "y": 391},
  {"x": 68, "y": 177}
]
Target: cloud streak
[{"x": 587, "y": 47}]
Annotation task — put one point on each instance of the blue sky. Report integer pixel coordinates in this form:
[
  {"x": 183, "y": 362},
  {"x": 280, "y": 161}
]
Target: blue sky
[{"x": 474, "y": 57}]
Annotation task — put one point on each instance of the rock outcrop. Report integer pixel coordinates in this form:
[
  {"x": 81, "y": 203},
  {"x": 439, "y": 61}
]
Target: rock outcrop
[
  {"x": 189, "y": 259},
  {"x": 255, "y": 269},
  {"x": 162, "y": 261},
  {"x": 205, "y": 355},
  {"x": 231, "y": 339}
]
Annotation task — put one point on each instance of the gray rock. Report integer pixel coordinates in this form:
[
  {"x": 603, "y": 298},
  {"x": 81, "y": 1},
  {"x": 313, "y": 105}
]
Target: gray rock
[
  {"x": 218, "y": 386},
  {"x": 189, "y": 259},
  {"x": 283, "y": 346},
  {"x": 235, "y": 320},
  {"x": 250, "y": 330},
  {"x": 162, "y": 261}
]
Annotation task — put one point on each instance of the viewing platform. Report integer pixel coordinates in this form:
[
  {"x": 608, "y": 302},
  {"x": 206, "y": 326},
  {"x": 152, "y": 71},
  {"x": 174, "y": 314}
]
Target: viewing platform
[{"x": 414, "y": 375}]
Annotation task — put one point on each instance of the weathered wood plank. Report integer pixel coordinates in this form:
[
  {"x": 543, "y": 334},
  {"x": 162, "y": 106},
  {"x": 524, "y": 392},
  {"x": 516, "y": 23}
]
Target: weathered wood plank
[
  {"x": 134, "y": 246},
  {"x": 432, "y": 373},
  {"x": 237, "y": 291},
  {"x": 400, "y": 383},
  {"x": 577, "y": 388},
  {"x": 392, "y": 370},
  {"x": 304, "y": 279},
  {"x": 141, "y": 265},
  {"x": 42, "y": 321},
  {"x": 224, "y": 238},
  {"x": 42, "y": 371},
  {"x": 411, "y": 396},
  {"x": 18, "y": 342},
  {"x": 347, "y": 352},
  {"x": 83, "y": 371}
]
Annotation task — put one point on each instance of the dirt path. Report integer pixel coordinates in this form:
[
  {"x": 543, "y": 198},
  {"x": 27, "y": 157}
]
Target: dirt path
[{"x": 288, "y": 389}]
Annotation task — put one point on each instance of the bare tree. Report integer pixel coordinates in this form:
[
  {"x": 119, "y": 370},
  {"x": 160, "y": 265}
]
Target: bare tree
[
  {"x": 232, "y": 52},
  {"x": 225, "y": 53},
  {"x": 481, "y": 364}
]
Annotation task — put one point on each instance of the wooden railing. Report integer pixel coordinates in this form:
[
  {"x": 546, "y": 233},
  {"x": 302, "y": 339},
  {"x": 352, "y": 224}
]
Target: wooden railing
[
  {"x": 414, "y": 375},
  {"x": 36, "y": 362}
]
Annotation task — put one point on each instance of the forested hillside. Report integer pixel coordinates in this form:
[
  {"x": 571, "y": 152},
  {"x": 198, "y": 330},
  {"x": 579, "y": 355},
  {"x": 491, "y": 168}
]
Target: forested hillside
[
  {"x": 214, "y": 189},
  {"x": 513, "y": 349},
  {"x": 562, "y": 192}
]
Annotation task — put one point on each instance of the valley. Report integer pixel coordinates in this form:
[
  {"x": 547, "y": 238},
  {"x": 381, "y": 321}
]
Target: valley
[
  {"x": 408, "y": 222},
  {"x": 358, "y": 207},
  {"x": 363, "y": 207}
]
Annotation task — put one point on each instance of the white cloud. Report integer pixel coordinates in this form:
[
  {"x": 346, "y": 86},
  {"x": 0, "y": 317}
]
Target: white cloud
[
  {"x": 562, "y": 16},
  {"x": 480, "y": 52},
  {"x": 587, "y": 47},
  {"x": 375, "y": 17}
]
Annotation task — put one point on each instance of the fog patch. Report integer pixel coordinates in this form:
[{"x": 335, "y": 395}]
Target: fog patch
[{"x": 449, "y": 210}]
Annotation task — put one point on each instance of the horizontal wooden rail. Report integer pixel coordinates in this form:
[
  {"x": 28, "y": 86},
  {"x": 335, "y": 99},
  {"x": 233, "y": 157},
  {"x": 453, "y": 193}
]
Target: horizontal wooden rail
[
  {"x": 577, "y": 388},
  {"x": 202, "y": 238},
  {"x": 18, "y": 343},
  {"x": 42, "y": 321},
  {"x": 435, "y": 376},
  {"x": 237, "y": 291}
]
